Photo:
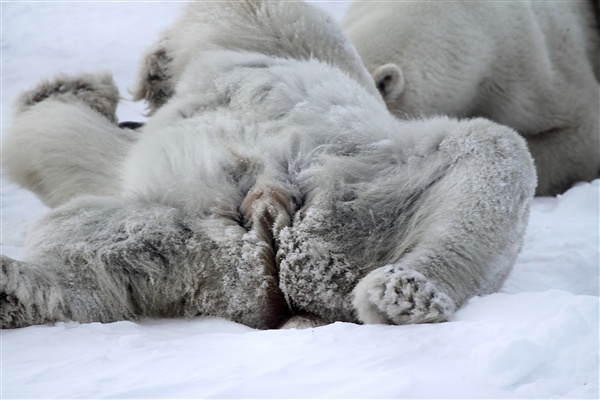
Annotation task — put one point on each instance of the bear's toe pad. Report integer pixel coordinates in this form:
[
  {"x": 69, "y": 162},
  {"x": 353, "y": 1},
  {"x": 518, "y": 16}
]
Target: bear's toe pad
[{"x": 397, "y": 296}]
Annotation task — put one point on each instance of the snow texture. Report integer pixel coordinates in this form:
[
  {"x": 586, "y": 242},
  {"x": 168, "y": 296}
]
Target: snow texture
[{"x": 537, "y": 338}]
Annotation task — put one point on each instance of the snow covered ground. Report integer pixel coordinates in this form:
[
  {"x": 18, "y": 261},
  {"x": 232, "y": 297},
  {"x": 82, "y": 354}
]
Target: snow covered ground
[{"x": 537, "y": 338}]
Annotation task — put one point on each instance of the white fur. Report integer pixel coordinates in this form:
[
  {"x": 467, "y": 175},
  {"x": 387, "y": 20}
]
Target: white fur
[
  {"x": 280, "y": 29},
  {"x": 268, "y": 189},
  {"x": 529, "y": 65},
  {"x": 64, "y": 141}
]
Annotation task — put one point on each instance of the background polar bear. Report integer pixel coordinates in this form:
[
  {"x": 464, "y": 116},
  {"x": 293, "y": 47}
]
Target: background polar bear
[
  {"x": 270, "y": 182},
  {"x": 529, "y": 65}
]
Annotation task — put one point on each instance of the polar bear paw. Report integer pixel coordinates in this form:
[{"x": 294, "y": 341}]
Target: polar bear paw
[
  {"x": 97, "y": 91},
  {"x": 26, "y": 297},
  {"x": 390, "y": 295}
]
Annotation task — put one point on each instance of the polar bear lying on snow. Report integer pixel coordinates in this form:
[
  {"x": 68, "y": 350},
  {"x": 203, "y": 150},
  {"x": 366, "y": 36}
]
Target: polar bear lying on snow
[
  {"x": 270, "y": 184},
  {"x": 530, "y": 65}
]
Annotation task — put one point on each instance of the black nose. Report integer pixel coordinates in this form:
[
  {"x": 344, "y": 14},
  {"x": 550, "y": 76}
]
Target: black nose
[{"x": 130, "y": 125}]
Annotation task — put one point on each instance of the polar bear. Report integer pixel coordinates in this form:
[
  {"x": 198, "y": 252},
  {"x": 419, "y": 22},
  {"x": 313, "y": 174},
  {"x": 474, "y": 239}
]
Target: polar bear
[
  {"x": 530, "y": 65},
  {"x": 269, "y": 185}
]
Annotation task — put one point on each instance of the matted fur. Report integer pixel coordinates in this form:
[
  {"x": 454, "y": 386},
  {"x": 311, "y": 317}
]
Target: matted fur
[{"x": 269, "y": 189}]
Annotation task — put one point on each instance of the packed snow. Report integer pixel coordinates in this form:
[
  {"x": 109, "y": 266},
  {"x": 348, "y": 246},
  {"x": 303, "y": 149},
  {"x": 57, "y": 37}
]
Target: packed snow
[{"x": 537, "y": 338}]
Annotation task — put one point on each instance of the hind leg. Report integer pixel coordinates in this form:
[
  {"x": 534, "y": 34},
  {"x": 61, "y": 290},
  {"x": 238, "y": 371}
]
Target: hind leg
[
  {"x": 102, "y": 259},
  {"x": 64, "y": 140},
  {"x": 412, "y": 241},
  {"x": 465, "y": 236},
  {"x": 98, "y": 258}
]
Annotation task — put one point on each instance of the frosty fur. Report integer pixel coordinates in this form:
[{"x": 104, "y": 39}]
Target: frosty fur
[
  {"x": 65, "y": 141},
  {"x": 529, "y": 65},
  {"x": 272, "y": 189},
  {"x": 286, "y": 30}
]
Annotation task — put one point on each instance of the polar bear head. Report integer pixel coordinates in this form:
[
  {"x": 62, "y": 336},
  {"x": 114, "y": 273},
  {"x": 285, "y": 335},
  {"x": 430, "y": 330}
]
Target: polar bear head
[
  {"x": 294, "y": 30},
  {"x": 420, "y": 54}
]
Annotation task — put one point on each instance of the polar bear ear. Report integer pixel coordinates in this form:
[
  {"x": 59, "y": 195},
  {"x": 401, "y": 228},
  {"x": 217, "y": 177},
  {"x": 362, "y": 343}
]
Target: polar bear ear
[{"x": 389, "y": 81}]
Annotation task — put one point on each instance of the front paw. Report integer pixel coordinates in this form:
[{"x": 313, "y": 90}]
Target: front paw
[
  {"x": 27, "y": 296},
  {"x": 97, "y": 91},
  {"x": 391, "y": 295}
]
